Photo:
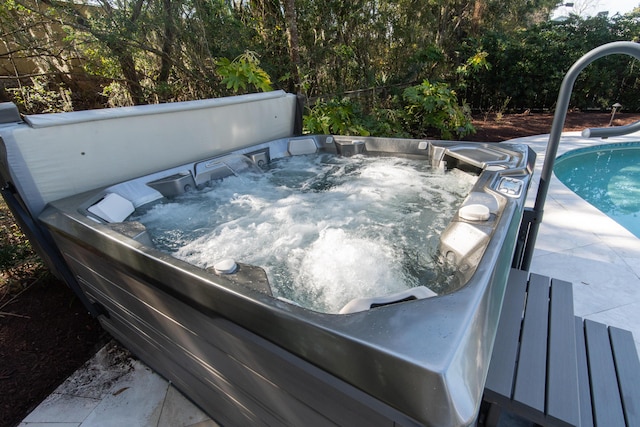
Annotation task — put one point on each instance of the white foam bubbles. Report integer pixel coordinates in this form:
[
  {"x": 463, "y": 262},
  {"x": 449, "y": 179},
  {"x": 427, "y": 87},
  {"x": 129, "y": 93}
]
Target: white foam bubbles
[
  {"x": 339, "y": 267},
  {"x": 325, "y": 229}
]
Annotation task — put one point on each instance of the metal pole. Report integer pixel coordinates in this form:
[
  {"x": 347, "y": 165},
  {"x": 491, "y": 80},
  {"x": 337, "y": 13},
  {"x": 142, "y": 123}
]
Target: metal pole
[{"x": 562, "y": 105}]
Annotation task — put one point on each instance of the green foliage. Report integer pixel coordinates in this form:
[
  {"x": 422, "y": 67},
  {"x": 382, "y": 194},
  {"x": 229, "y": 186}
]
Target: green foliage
[
  {"x": 12, "y": 5},
  {"x": 17, "y": 258},
  {"x": 337, "y": 116},
  {"x": 427, "y": 109},
  {"x": 14, "y": 249},
  {"x": 390, "y": 122},
  {"x": 434, "y": 106},
  {"x": 528, "y": 66},
  {"x": 116, "y": 95},
  {"x": 475, "y": 64},
  {"x": 243, "y": 71},
  {"x": 38, "y": 98},
  {"x": 160, "y": 51},
  {"x": 98, "y": 62}
]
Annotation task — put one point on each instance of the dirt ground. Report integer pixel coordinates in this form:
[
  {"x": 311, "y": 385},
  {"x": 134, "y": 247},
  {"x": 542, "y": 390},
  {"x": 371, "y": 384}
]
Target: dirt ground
[
  {"x": 45, "y": 334},
  {"x": 496, "y": 129}
]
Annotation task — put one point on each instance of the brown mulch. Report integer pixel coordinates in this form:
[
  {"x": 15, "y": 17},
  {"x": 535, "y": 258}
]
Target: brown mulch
[
  {"x": 45, "y": 333},
  {"x": 47, "y": 336},
  {"x": 493, "y": 128}
]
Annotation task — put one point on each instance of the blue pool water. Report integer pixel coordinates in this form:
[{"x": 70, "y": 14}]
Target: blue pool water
[{"x": 608, "y": 177}]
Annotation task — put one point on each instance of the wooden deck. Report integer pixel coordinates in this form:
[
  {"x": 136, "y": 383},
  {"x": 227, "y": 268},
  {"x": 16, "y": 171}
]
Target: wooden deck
[{"x": 555, "y": 369}]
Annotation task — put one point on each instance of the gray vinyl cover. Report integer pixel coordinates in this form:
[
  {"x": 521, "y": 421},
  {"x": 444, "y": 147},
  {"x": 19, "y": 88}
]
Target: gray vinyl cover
[{"x": 52, "y": 156}]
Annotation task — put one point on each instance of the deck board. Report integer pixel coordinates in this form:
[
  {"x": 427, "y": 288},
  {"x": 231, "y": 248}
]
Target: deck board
[
  {"x": 562, "y": 373},
  {"x": 607, "y": 408},
  {"x": 627, "y": 365},
  {"x": 586, "y": 415},
  {"x": 530, "y": 386},
  {"x": 556, "y": 369}
]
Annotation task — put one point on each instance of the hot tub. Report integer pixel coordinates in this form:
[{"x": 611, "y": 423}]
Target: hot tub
[{"x": 247, "y": 354}]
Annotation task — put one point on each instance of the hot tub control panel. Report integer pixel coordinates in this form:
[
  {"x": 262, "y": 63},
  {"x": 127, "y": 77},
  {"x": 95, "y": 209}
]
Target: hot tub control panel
[{"x": 510, "y": 186}]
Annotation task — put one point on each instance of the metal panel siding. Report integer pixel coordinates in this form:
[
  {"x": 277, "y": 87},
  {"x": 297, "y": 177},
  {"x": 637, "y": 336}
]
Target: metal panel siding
[
  {"x": 223, "y": 359},
  {"x": 505, "y": 348}
]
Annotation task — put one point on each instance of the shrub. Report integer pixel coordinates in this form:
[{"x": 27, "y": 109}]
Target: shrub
[
  {"x": 39, "y": 98},
  {"x": 433, "y": 107},
  {"x": 390, "y": 122},
  {"x": 428, "y": 109},
  {"x": 336, "y": 116},
  {"x": 244, "y": 71}
]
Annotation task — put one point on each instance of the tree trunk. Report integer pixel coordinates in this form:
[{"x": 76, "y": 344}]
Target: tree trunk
[
  {"x": 167, "y": 42},
  {"x": 294, "y": 46},
  {"x": 478, "y": 15},
  {"x": 129, "y": 72}
]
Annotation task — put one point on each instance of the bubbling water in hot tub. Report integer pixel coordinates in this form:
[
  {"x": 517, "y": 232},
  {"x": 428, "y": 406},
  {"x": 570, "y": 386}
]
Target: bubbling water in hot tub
[{"x": 325, "y": 229}]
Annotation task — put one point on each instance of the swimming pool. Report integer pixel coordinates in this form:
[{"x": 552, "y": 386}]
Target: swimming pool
[{"x": 608, "y": 177}]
